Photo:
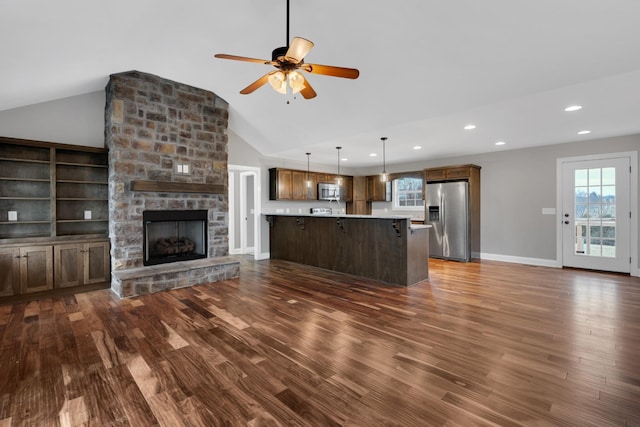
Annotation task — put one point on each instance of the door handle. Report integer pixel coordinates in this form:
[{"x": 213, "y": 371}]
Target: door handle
[{"x": 566, "y": 222}]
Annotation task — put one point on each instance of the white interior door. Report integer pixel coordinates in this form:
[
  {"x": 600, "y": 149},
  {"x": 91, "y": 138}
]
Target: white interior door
[{"x": 596, "y": 214}]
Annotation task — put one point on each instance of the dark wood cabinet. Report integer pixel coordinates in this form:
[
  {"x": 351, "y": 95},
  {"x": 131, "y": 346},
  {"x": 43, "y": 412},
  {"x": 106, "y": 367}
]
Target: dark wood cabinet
[
  {"x": 347, "y": 188},
  {"x": 280, "y": 186},
  {"x": 52, "y": 196},
  {"x": 291, "y": 184},
  {"x": 360, "y": 205},
  {"x": 9, "y": 271},
  {"x": 85, "y": 264},
  {"x": 384, "y": 249},
  {"x": 450, "y": 173},
  {"x": 325, "y": 177},
  {"x": 36, "y": 269},
  {"x": 378, "y": 190},
  {"x": 25, "y": 270},
  {"x": 303, "y": 188}
]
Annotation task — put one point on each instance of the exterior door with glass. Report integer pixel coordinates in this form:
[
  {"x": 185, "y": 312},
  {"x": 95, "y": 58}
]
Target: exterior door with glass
[{"x": 596, "y": 214}]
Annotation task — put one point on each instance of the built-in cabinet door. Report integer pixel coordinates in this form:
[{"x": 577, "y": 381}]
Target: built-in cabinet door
[
  {"x": 81, "y": 264},
  {"x": 298, "y": 185},
  {"x": 36, "y": 268},
  {"x": 377, "y": 190},
  {"x": 347, "y": 188},
  {"x": 9, "y": 271},
  {"x": 68, "y": 265},
  {"x": 96, "y": 262}
]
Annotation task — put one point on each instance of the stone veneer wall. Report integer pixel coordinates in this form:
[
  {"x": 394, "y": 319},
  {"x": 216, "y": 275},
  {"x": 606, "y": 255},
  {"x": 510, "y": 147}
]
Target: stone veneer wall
[{"x": 150, "y": 125}]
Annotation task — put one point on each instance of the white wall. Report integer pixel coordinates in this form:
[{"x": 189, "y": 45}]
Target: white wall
[{"x": 78, "y": 120}]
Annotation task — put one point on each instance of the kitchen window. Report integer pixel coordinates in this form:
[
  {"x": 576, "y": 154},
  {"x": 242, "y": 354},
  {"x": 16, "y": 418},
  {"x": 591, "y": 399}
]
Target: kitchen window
[{"x": 407, "y": 194}]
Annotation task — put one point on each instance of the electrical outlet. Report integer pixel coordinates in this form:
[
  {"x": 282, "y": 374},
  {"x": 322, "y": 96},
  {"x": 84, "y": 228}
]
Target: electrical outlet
[
  {"x": 87, "y": 214},
  {"x": 13, "y": 215},
  {"x": 182, "y": 168}
]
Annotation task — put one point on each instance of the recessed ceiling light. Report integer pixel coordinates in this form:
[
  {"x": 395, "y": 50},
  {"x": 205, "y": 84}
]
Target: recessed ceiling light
[
  {"x": 469, "y": 127},
  {"x": 500, "y": 143},
  {"x": 584, "y": 132},
  {"x": 417, "y": 147},
  {"x": 573, "y": 108},
  {"x": 344, "y": 159},
  {"x": 372, "y": 154}
]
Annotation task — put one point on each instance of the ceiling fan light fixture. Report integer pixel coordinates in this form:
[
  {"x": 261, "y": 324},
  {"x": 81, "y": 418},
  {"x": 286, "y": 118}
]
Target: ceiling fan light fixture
[
  {"x": 278, "y": 82},
  {"x": 296, "y": 81}
]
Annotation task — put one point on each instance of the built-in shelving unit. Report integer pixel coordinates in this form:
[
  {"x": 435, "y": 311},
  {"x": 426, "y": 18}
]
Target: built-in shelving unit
[
  {"x": 25, "y": 191},
  {"x": 82, "y": 193},
  {"x": 52, "y": 197}
]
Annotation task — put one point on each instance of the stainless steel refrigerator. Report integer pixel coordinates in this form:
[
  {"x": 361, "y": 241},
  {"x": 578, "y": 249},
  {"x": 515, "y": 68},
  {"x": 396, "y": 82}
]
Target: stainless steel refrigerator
[{"x": 447, "y": 211}]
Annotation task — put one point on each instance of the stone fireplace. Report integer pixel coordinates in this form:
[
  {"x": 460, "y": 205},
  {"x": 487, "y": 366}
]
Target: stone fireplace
[
  {"x": 167, "y": 153},
  {"x": 173, "y": 236}
]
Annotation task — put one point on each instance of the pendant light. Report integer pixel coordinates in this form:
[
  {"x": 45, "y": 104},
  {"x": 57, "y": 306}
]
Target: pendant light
[
  {"x": 339, "y": 178},
  {"x": 308, "y": 180},
  {"x": 384, "y": 177}
]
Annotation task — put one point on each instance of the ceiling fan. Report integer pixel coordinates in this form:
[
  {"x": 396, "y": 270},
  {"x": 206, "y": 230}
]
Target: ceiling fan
[{"x": 288, "y": 60}]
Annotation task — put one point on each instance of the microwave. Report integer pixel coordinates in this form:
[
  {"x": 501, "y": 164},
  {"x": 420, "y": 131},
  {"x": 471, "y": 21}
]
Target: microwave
[{"x": 328, "y": 191}]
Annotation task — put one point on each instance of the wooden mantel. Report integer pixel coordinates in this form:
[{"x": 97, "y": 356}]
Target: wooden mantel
[{"x": 177, "y": 187}]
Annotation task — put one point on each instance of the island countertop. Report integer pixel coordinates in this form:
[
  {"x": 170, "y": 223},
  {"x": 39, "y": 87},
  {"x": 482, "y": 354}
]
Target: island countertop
[
  {"x": 390, "y": 217},
  {"x": 389, "y": 249}
]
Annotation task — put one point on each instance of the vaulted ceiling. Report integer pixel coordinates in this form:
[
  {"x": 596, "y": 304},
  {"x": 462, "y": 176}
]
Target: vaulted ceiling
[{"x": 427, "y": 68}]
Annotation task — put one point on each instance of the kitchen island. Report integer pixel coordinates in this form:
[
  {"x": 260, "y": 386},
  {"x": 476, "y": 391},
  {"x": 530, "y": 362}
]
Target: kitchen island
[{"x": 387, "y": 249}]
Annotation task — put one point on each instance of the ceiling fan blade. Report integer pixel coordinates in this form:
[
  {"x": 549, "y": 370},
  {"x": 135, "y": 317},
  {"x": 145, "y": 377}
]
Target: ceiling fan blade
[
  {"x": 307, "y": 92},
  {"x": 298, "y": 49},
  {"x": 257, "y": 84},
  {"x": 241, "y": 58},
  {"x": 329, "y": 70}
]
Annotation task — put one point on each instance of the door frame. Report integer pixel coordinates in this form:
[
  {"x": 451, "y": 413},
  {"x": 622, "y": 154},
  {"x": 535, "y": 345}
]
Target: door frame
[
  {"x": 242, "y": 172},
  {"x": 633, "y": 203}
]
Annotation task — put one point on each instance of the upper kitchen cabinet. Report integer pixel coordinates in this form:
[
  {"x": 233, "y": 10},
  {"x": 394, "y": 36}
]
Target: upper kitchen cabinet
[
  {"x": 451, "y": 173},
  {"x": 377, "y": 190},
  {"x": 280, "y": 186},
  {"x": 303, "y": 185},
  {"x": 347, "y": 188},
  {"x": 291, "y": 184}
]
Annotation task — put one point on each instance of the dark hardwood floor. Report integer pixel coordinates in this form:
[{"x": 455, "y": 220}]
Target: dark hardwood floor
[{"x": 478, "y": 344}]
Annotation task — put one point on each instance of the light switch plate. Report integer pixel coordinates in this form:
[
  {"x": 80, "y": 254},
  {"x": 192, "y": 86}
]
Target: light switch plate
[
  {"x": 13, "y": 215},
  {"x": 87, "y": 214}
]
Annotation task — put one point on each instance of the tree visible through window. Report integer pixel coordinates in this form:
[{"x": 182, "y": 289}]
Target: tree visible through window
[{"x": 408, "y": 193}]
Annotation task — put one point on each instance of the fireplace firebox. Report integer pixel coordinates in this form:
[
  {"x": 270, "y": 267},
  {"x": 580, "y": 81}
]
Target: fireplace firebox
[{"x": 171, "y": 236}]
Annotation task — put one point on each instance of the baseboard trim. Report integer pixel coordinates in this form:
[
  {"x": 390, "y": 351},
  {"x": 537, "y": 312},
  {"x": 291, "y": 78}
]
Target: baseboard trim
[
  {"x": 262, "y": 255},
  {"x": 521, "y": 260}
]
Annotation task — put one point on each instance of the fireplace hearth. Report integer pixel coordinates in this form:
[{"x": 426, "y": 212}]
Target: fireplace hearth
[{"x": 171, "y": 236}]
